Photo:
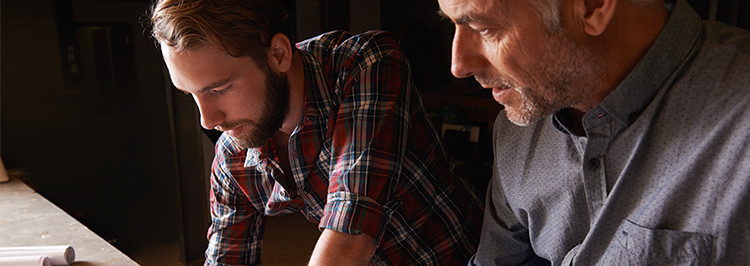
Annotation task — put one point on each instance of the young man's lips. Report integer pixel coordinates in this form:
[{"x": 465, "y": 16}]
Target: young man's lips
[{"x": 234, "y": 132}]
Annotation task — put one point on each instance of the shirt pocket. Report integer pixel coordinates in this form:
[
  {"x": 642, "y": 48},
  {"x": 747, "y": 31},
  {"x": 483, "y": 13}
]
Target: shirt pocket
[{"x": 638, "y": 245}]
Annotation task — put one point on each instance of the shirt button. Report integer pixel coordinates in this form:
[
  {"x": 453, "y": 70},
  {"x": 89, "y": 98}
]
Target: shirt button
[
  {"x": 632, "y": 117},
  {"x": 594, "y": 164},
  {"x": 282, "y": 193}
]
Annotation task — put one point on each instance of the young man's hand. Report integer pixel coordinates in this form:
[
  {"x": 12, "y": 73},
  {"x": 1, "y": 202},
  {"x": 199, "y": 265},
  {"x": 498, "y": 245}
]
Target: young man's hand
[{"x": 336, "y": 248}]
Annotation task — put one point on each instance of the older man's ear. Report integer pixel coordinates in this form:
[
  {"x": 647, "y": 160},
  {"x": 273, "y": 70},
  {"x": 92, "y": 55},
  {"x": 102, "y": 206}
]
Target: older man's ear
[{"x": 593, "y": 15}]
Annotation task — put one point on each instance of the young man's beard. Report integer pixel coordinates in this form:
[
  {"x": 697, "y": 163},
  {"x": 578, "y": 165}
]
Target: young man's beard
[{"x": 275, "y": 109}]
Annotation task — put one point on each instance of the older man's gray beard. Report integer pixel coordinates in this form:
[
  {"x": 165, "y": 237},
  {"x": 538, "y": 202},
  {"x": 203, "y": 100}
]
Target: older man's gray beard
[
  {"x": 536, "y": 101},
  {"x": 562, "y": 71},
  {"x": 535, "y": 107}
]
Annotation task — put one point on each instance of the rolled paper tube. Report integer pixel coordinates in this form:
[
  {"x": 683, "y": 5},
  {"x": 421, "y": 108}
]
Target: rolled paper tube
[
  {"x": 25, "y": 261},
  {"x": 58, "y": 255},
  {"x": 3, "y": 173}
]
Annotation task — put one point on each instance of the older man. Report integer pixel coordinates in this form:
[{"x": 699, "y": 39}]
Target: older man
[{"x": 627, "y": 133}]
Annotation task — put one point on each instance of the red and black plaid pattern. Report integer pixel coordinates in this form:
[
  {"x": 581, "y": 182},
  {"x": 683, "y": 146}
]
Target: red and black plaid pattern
[{"x": 364, "y": 160}]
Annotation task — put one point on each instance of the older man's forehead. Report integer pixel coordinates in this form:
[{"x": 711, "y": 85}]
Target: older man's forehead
[{"x": 466, "y": 11}]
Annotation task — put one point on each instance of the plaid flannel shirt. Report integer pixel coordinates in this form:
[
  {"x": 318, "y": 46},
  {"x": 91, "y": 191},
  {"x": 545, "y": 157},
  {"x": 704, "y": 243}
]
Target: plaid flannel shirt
[{"x": 364, "y": 159}]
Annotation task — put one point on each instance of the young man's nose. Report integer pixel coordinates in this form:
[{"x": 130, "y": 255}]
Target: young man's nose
[{"x": 211, "y": 116}]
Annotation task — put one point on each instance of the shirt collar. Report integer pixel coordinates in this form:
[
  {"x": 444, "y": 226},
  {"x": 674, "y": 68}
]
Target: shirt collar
[
  {"x": 318, "y": 101},
  {"x": 658, "y": 68},
  {"x": 674, "y": 45}
]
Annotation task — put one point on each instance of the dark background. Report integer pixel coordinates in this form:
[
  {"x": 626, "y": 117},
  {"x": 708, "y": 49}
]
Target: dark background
[{"x": 90, "y": 120}]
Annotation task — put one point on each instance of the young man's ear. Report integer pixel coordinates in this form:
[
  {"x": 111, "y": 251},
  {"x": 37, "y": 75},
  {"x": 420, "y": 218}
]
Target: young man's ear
[
  {"x": 595, "y": 15},
  {"x": 280, "y": 53}
]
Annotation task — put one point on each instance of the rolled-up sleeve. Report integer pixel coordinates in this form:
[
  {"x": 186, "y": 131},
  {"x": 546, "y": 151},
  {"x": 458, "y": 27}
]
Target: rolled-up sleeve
[{"x": 368, "y": 140}]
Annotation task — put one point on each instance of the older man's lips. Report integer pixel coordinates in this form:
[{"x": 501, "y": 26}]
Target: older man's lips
[{"x": 499, "y": 93}]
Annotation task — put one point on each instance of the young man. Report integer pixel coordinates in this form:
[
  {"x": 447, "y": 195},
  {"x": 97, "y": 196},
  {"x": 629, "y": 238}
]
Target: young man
[
  {"x": 627, "y": 138},
  {"x": 332, "y": 127}
]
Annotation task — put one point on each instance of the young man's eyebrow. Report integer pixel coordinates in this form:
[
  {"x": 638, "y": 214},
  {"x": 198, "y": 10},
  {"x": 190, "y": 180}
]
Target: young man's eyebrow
[{"x": 214, "y": 85}]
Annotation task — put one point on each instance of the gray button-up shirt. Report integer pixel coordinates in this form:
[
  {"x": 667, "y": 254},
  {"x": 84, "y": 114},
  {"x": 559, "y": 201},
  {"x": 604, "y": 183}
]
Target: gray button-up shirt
[{"x": 662, "y": 176}]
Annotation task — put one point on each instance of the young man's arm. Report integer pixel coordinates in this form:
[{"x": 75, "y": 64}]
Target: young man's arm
[
  {"x": 368, "y": 136},
  {"x": 336, "y": 248},
  {"x": 236, "y": 231}
]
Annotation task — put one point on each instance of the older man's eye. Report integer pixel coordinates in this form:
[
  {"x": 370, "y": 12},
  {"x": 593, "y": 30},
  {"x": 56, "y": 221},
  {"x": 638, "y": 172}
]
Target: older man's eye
[{"x": 487, "y": 32}]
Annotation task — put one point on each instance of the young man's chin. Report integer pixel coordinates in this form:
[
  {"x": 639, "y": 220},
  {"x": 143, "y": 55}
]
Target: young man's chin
[{"x": 249, "y": 140}]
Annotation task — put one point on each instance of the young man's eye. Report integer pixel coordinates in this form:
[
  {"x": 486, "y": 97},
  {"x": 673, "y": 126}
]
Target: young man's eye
[{"x": 219, "y": 91}]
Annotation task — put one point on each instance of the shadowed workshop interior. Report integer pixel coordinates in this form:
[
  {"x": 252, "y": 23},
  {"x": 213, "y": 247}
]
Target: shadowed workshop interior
[{"x": 91, "y": 121}]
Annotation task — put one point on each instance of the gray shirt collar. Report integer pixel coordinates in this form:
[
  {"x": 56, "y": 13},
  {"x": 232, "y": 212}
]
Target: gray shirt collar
[{"x": 669, "y": 52}]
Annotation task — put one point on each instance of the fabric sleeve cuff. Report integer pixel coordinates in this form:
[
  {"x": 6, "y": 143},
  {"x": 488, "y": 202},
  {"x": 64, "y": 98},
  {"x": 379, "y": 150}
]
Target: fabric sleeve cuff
[{"x": 354, "y": 214}]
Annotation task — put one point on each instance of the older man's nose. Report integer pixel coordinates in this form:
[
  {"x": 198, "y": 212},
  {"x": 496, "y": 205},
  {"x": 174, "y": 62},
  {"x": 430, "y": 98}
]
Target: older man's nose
[{"x": 465, "y": 56}]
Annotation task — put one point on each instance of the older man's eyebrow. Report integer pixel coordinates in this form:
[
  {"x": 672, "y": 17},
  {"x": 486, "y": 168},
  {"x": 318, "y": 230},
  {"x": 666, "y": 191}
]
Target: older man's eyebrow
[
  {"x": 463, "y": 19},
  {"x": 442, "y": 15}
]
